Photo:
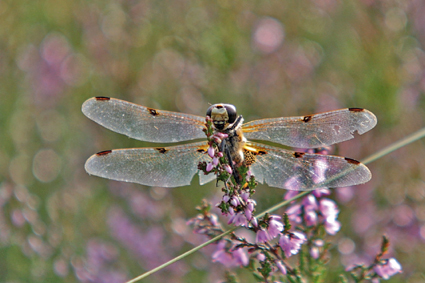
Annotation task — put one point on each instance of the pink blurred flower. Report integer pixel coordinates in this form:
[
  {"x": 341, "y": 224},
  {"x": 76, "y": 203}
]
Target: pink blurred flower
[
  {"x": 275, "y": 226},
  {"x": 229, "y": 257},
  {"x": 388, "y": 268},
  {"x": 291, "y": 243},
  {"x": 280, "y": 266},
  {"x": 262, "y": 236}
]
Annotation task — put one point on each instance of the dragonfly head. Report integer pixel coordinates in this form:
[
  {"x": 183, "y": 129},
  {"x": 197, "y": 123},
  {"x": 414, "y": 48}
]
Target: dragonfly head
[{"x": 223, "y": 115}]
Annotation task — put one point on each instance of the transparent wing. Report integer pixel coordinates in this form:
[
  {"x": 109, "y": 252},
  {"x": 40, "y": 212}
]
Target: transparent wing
[
  {"x": 160, "y": 166},
  {"x": 313, "y": 130},
  {"x": 143, "y": 123},
  {"x": 301, "y": 171}
]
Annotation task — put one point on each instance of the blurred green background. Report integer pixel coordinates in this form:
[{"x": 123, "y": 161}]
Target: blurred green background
[{"x": 269, "y": 58}]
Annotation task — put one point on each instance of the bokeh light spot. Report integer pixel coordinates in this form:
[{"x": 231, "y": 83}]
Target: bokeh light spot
[
  {"x": 346, "y": 246},
  {"x": 268, "y": 35},
  {"x": 46, "y": 165}
]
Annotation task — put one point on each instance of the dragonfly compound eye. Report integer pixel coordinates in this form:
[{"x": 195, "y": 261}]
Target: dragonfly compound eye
[{"x": 222, "y": 115}]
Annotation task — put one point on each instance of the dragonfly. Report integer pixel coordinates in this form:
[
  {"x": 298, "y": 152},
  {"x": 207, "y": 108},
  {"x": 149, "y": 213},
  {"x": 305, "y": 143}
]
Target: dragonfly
[{"x": 175, "y": 166}]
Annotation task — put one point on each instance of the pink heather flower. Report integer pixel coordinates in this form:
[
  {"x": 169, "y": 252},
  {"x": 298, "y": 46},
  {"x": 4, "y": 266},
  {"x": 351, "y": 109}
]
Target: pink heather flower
[
  {"x": 213, "y": 219},
  {"x": 310, "y": 203},
  {"x": 209, "y": 167},
  {"x": 332, "y": 226},
  {"x": 240, "y": 257},
  {"x": 211, "y": 151},
  {"x": 220, "y": 154},
  {"x": 245, "y": 196},
  {"x": 314, "y": 252},
  {"x": 294, "y": 213},
  {"x": 310, "y": 218},
  {"x": 280, "y": 266},
  {"x": 226, "y": 198},
  {"x": 291, "y": 243},
  {"x": 228, "y": 168},
  {"x": 234, "y": 201},
  {"x": 292, "y": 184},
  {"x": 249, "y": 208},
  {"x": 387, "y": 268},
  {"x": 231, "y": 211},
  {"x": 248, "y": 214},
  {"x": 290, "y": 194},
  {"x": 275, "y": 226},
  {"x": 248, "y": 175},
  {"x": 254, "y": 222},
  {"x": 229, "y": 257},
  {"x": 221, "y": 255},
  {"x": 328, "y": 208},
  {"x": 217, "y": 140},
  {"x": 262, "y": 236},
  {"x": 238, "y": 219},
  {"x": 215, "y": 161},
  {"x": 222, "y": 135},
  {"x": 321, "y": 192},
  {"x": 261, "y": 257}
]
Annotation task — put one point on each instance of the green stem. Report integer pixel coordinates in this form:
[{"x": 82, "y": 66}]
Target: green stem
[{"x": 403, "y": 142}]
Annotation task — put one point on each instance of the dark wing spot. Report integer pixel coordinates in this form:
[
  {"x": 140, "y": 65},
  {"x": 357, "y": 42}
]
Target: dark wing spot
[
  {"x": 103, "y": 152},
  {"x": 261, "y": 152},
  {"x": 201, "y": 150},
  {"x": 102, "y": 98},
  {"x": 153, "y": 112},
  {"x": 161, "y": 149},
  {"x": 356, "y": 109},
  {"x": 307, "y": 118},
  {"x": 298, "y": 154},
  {"x": 352, "y": 161}
]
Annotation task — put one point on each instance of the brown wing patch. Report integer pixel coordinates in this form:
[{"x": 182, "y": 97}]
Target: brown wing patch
[
  {"x": 161, "y": 149},
  {"x": 307, "y": 118},
  {"x": 352, "y": 161},
  {"x": 102, "y": 98},
  {"x": 105, "y": 152},
  {"x": 153, "y": 112},
  {"x": 298, "y": 154},
  {"x": 356, "y": 109}
]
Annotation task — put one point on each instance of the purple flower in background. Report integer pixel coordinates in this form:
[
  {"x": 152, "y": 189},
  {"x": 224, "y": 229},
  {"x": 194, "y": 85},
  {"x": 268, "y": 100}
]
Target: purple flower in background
[
  {"x": 275, "y": 226},
  {"x": 262, "y": 236},
  {"x": 387, "y": 268},
  {"x": 291, "y": 243},
  {"x": 310, "y": 218},
  {"x": 238, "y": 219},
  {"x": 280, "y": 266},
  {"x": 332, "y": 226},
  {"x": 310, "y": 203},
  {"x": 321, "y": 192},
  {"x": 229, "y": 257},
  {"x": 328, "y": 208},
  {"x": 294, "y": 213},
  {"x": 292, "y": 184}
]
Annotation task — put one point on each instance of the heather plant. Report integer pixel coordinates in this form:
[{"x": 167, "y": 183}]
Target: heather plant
[{"x": 293, "y": 246}]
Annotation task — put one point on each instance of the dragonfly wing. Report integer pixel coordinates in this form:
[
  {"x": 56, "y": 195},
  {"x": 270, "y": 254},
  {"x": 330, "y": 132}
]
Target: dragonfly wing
[
  {"x": 301, "y": 171},
  {"x": 313, "y": 130},
  {"x": 143, "y": 123},
  {"x": 160, "y": 166},
  {"x": 203, "y": 179}
]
